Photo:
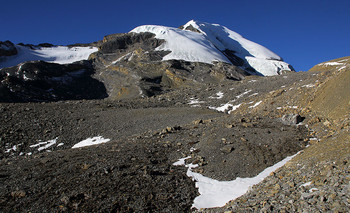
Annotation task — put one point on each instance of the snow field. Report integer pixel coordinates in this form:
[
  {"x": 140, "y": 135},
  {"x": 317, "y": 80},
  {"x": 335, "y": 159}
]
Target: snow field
[
  {"x": 184, "y": 45},
  {"x": 224, "y": 38},
  {"x": 204, "y": 47},
  {"x": 57, "y": 54},
  {"x": 214, "y": 193}
]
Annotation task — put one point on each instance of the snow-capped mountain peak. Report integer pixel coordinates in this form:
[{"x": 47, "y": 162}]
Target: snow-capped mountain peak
[
  {"x": 184, "y": 45},
  {"x": 224, "y": 38},
  {"x": 205, "y": 42}
]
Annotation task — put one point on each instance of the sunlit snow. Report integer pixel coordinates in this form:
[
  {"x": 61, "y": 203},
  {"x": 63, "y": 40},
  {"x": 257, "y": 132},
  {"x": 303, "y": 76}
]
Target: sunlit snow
[
  {"x": 331, "y": 64},
  {"x": 184, "y": 45},
  {"x": 243, "y": 94},
  {"x": 204, "y": 47},
  {"x": 259, "y": 57},
  {"x": 224, "y": 38},
  {"x": 57, "y": 54},
  {"x": 44, "y": 145},
  {"x": 91, "y": 141},
  {"x": 226, "y": 107},
  {"x": 214, "y": 193},
  {"x": 219, "y": 95},
  {"x": 256, "y": 104},
  {"x": 195, "y": 102}
]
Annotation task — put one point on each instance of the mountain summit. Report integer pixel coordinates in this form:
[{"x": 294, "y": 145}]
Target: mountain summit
[{"x": 204, "y": 42}]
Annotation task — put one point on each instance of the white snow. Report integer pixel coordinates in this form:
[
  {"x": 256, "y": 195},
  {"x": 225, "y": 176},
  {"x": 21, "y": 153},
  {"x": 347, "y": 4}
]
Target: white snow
[
  {"x": 14, "y": 148},
  {"x": 313, "y": 189},
  {"x": 267, "y": 67},
  {"x": 256, "y": 104},
  {"x": 124, "y": 57},
  {"x": 224, "y": 38},
  {"x": 308, "y": 85},
  {"x": 306, "y": 184},
  {"x": 181, "y": 161},
  {"x": 244, "y": 93},
  {"x": 260, "y": 58},
  {"x": 204, "y": 47},
  {"x": 226, "y": 107},
  {"x": 331, "y": 64},
  {"x": 214, "y": 193},
  {"x": 254, "y": 94},
  {"x": 219, "y": 95},
  {"x": 45, "y": 145},
  {"x": 290, "y": 107},
  {"x": 184, "y": 45},
  {"x": 57, "y": 54},
  {"x": 195, "y": 102},
  {"x": 341, "y": 68},
  {"x": 91, "y": 141},
  {"x": 193, "y": 149}
]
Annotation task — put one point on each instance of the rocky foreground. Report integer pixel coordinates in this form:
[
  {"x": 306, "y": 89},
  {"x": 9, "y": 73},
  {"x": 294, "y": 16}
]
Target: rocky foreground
[
  {"x": 317, "y": 180},
  {"x": 231, "y": 129}
]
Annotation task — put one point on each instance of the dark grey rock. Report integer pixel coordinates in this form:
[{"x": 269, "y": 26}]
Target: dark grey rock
[
  {"x": 191, "y": 28},
  {"x": 7, "y": 48},
  {"x": 42, "y": 81}
]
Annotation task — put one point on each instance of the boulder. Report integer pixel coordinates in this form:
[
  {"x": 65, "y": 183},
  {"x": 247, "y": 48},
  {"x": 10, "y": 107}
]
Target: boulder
[{"x": 291, "y": 119}]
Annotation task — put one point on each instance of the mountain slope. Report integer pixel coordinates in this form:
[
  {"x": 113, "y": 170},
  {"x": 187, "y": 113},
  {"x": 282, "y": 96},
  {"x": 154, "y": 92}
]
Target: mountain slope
[
  {"x": 149, "y": 60},
  {"x": 135, "y": 171},
  {"x": 132, "y": 64},
  {"x": 316, "y": 180}
]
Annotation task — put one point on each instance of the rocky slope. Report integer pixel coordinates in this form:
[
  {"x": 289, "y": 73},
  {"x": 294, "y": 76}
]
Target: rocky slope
[
  {"x": 239, "y": 144},
  {"x": 220, "y": 117},
  {"x": 317, "y": 180}
]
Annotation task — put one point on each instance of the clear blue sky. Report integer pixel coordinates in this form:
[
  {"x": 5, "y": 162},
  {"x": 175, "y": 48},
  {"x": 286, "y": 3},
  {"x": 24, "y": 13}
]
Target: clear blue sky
[{"x": 303, "y": 32}]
